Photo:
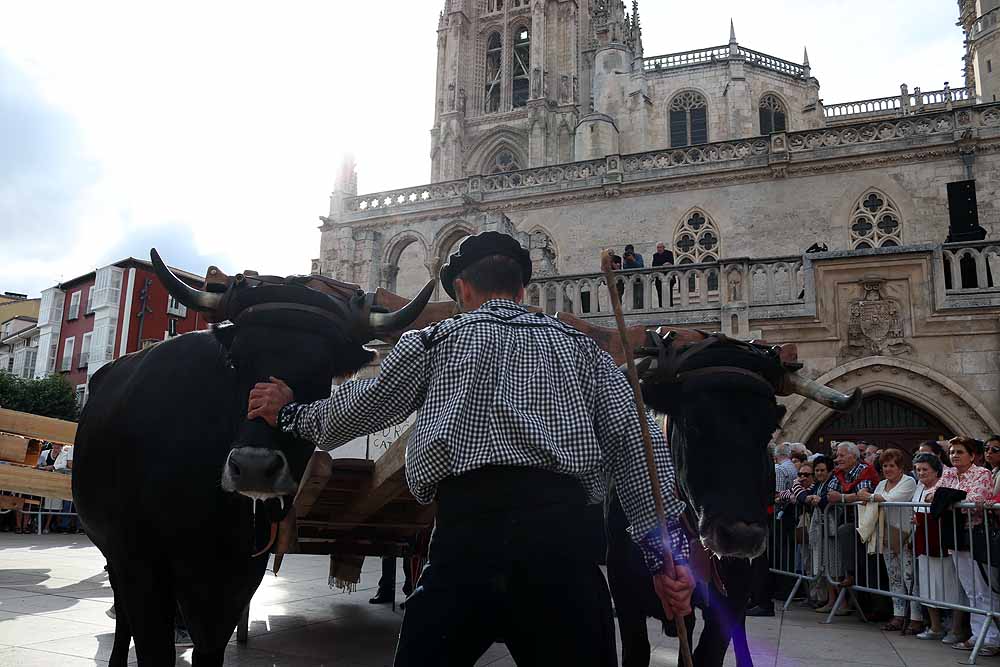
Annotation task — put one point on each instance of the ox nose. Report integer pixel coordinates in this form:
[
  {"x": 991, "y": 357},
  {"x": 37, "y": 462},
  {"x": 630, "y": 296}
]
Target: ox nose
[{"x": 258, "y": 471}]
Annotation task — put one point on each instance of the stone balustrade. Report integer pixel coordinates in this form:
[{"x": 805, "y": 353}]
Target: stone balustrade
[
  {"x": 758, "y": 59},
  {"x": 971, "y": 268},
  {"x": 904, "y": 104},
  {"x": 686, "y": 58},
  {"x": 986, "y": 23},
  {"x": 677, "y": 288},
  {"x": 714, "y": 54},
  {"x": 624, "y": 169}
]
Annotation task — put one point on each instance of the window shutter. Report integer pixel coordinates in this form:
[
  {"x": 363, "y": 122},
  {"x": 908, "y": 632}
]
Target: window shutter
[
  {"x": 67, "y": 359},
  {"x": 765, "y": 122},
  {"x": 74, "y": 306},
  {"x": 699, "y": 126},
  {"x": 678, "y": 129}
]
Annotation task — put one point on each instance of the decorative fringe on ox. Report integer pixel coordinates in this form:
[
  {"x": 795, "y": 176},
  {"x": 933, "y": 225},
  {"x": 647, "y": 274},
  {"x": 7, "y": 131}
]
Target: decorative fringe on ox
[{"x": 345, "y": 572}]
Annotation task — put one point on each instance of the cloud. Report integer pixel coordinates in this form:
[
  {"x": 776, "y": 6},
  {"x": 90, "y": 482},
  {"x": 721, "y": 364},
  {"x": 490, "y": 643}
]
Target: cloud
[
  {"x": 174, "y": 242},
  {"x": 45, "y": 177}
]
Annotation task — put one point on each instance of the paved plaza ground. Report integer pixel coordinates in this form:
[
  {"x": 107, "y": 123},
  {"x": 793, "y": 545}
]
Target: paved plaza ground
[{"x": 54, "y": 594}]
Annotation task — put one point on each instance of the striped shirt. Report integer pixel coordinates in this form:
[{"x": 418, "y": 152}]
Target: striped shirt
[{"x": 502, "y": 386}]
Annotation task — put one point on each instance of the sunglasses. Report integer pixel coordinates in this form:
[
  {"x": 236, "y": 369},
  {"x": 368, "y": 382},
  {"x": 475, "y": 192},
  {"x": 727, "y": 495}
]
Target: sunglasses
[
  {"x": 993, "y": 450},
  {"x": 805, "y": 474}
]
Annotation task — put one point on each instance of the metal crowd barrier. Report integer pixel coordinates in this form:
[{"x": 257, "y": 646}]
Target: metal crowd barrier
[{"x": 897, "y": 557}]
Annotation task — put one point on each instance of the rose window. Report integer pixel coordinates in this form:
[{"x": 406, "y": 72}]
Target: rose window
[
  {"x": 697, "y": 239},
  {"x": 876, "y": 222}
]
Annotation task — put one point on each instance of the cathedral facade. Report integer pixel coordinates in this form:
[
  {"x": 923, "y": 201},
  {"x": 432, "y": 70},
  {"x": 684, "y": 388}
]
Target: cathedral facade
[{"x": 552, "y": 124}]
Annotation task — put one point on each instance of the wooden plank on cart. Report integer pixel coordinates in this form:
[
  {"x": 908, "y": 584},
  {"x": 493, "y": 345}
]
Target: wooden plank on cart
[
  {"x": 21, "y": 479},
  {"x": 387, "y": 483},
  {"x": 34, "y": 426}
]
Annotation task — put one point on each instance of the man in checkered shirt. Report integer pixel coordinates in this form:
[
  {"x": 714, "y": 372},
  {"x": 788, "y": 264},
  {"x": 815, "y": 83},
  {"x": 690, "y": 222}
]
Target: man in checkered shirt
[{"x": 521, "y": 421}]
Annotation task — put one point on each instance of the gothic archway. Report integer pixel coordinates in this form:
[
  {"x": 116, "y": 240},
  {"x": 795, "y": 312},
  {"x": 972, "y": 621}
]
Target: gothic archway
[
  {"x": 940, "y": 397},
  {"x": 883, "y": 420},
  {"x": 404, "y": 265}
]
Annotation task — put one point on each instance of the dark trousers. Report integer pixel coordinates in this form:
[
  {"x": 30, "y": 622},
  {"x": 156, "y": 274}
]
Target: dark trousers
[
  {"x": 512, "y": 559},
  {"x": 387, "y": 582}
]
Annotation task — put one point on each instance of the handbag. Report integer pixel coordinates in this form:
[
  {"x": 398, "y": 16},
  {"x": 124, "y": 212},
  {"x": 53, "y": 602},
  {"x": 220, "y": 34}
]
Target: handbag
[
  {"x": 927, "y": 536},
  {"x": 986, "y": 545}
]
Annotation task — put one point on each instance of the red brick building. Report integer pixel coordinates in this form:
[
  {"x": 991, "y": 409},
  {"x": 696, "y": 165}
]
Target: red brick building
[{"x": 95, "y": 318}]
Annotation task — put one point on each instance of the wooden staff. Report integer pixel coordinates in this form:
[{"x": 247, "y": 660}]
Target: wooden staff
[{"x": 654, "y": 477}]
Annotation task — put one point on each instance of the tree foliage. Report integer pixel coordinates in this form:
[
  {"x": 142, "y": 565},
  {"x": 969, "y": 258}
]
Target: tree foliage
[{"x": 53, "y": 396}]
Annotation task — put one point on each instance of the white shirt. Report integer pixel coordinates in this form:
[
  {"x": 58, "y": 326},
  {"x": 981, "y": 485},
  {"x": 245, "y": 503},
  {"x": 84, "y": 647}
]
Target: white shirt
[{"x": 65, "y": 456}]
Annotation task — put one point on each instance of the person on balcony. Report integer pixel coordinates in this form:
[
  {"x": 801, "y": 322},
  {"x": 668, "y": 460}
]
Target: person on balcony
[
  {"x": 633, "y": 260},
  {"x": 663, "y": 257}
]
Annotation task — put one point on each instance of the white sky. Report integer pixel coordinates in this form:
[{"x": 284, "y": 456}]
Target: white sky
[{"x": 214, "y": 129}]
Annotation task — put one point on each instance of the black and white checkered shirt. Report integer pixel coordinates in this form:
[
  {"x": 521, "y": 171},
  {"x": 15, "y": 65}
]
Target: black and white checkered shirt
[{"x": 502, "y": 386}]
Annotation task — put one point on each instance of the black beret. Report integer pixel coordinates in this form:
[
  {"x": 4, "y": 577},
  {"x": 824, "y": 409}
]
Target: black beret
[{"x": 475, "y": 248}]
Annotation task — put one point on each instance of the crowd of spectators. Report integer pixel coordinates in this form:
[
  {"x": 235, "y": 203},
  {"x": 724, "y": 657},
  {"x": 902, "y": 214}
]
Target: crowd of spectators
[
  {"x": 832, "y": 523},
  {"x": 56, "y": 514}
]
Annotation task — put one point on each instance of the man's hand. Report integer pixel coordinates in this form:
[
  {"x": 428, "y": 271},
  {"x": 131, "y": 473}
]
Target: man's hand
[
  {"x": 834, "y": 496},
  {"x": 267, "y": 399},
  {"x": 675, "y": 593}
]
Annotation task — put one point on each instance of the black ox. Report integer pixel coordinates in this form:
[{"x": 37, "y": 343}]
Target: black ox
[
  {"x": 164, "y": 443},
  {"x": 719, "y": 394}
]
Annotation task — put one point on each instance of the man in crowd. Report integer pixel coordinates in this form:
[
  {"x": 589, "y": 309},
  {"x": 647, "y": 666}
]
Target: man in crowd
[
  {"x": 663, "y": 257},
  {"x": 850, "y": 476},
  {"x": 513, "y": 553},
  {"x": 779, "y": 554}
]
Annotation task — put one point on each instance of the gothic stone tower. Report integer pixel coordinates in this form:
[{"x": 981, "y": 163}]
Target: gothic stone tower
[
  {"x": 509, "y": 76},
  {"x": 981, "y": 21}
]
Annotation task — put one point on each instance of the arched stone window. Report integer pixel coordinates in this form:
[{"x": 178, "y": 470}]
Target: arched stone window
[
  {"x": 696, "y": 239},
  {"x": 494, "y": 72},
  {"x": 876, "y": 222},
  {"x": 773, "y": 114},
  {"x": 503, "y": 160},
  {"x": 688, "y": 119},
  {"x": 521, "y": 71}
]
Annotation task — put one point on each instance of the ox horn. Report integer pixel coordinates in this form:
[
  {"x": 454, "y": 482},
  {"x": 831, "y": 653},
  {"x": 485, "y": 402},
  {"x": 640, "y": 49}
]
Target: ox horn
[
  {"x": 831, "y": 398},
  {"x": 190, "y": 297},
  {"x": 387, "y": 323}
]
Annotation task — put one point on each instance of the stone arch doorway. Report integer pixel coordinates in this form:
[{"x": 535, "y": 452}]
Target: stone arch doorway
[
  {"x": 911, "y": 382},
  {"x": 883, "y": 420}
]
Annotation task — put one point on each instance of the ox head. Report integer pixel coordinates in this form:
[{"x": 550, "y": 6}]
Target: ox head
[
  {"x": 720, "y": 396},
  {"x": 305, "y": 330}
]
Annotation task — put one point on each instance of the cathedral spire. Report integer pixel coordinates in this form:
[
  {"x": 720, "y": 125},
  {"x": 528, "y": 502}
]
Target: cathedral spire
[
  {"x": 732, "y": 32},
  {"x": 636, "y": 30},
  {"x": 805, "y": 62}
]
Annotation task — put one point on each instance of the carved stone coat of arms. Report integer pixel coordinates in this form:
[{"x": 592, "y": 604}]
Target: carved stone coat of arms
[{"x": 875, "y": 325}]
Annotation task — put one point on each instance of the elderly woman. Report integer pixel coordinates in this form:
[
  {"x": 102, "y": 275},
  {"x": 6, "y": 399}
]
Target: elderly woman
[
  {"x": 895, "y": 524},
  {"x": 825, "y": 556},
  {"x": 978, "y": 486},
  {"x": 934, "y": 447},
  {"x": 936, "y": 576}
]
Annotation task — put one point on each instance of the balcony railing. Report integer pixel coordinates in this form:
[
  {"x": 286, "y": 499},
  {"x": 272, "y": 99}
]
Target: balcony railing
[
  {"x": 986, "y": 23},
  {"x": 738, "y": 154},
  {"x": 971, "y": 268},
  {"x": 677, "y": 288},
  {"x": 714, "y": 54},
  {"x": 686, "y": 58},
  {"x": 906, "y": 103}
]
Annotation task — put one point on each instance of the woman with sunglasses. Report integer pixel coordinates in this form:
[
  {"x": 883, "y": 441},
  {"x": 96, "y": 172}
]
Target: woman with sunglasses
[{"x": 993, "y": 460}]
